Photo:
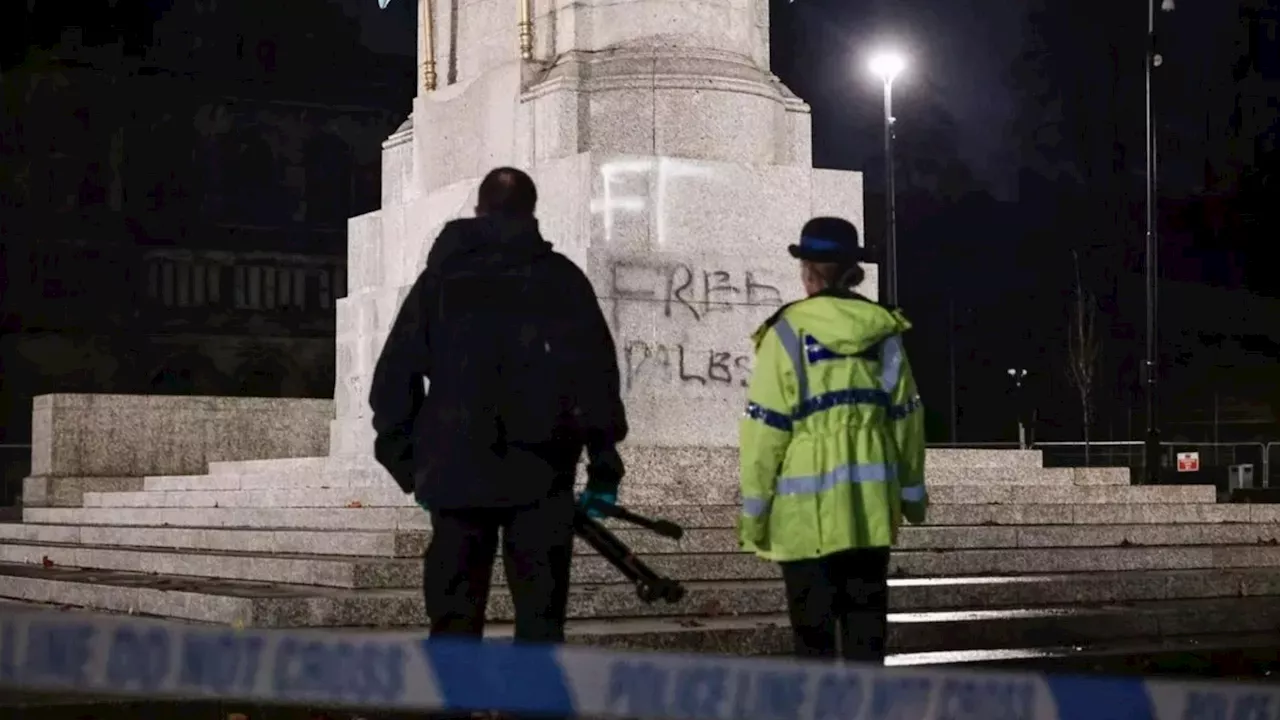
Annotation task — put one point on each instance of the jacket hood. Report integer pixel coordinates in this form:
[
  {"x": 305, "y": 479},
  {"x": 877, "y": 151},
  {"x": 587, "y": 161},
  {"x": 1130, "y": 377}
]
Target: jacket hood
[
  {"x": 489, "y": 243},
  {"x": 843, "y": 322}
]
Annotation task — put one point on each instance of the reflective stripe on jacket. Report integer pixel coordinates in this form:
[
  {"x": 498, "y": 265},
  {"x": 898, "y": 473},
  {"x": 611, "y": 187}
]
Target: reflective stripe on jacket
[{"x": 832, "y": 443}]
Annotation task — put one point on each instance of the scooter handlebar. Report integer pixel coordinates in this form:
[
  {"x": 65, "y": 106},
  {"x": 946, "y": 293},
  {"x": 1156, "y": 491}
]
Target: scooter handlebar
[{"x": 665, "y": 528}]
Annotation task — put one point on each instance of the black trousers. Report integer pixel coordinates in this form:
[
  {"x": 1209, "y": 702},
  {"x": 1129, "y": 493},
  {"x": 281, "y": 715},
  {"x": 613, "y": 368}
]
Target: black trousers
[
  {"x": 839, "y": 605},
  {"x": 537, "y": 549}
]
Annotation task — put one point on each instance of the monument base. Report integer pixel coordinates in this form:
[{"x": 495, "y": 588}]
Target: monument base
[
  {"x": 1017, "y": 558},
  {"x": 682, "y": 306}
]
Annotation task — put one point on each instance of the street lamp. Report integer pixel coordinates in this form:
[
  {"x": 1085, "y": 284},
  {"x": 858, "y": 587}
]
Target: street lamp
[
  {"x": 887, "y": 65},
  {"x": 1018, "y": 375},
  {"x": 1150, "y": 366}
]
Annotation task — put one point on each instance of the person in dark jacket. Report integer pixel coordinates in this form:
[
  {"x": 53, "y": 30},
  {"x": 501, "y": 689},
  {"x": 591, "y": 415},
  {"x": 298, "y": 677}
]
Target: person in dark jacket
[{"x": 522, "y": 376}]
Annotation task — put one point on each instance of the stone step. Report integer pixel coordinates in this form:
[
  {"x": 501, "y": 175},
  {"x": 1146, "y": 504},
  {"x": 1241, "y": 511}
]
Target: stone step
[
  {"x": 688, "y": 516},
  {"x": 321, "y": 478},
  {"x": 1101, "y": 514},
  {"x": 343, "y": 519},
  {"x": 1066, "y": 494},
  {"x": 331, "y": 477},
  {"x": 355, "y": 543},
  {"x": 277, "y": 605},
  {"x": 939, "y": 475},
  {"x": 390, "y": 496},
  {"x": 647, "y": 464},
  {"x": 412, "y": 543},
  {"x": 382, "y": 572},
  {"x": 383, "y": 494},
  {"x": 744, "y": 633},
  {"x": 984, "y": 458}
]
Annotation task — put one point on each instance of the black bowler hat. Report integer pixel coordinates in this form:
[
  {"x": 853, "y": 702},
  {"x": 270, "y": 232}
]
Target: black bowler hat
[{"x": 829, "y": 240}]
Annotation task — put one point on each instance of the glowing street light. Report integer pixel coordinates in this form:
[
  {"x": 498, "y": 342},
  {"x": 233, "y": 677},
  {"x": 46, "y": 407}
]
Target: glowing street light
[{"x": 887, "y": 65}]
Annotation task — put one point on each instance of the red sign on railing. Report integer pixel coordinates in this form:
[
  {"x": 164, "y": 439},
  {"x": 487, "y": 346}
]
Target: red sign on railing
[{"x": 1189, "y": 462}]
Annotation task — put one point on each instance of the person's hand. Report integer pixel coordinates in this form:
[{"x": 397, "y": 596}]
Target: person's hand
[
  {"x": 604, "y": 472},
  {"x": 590, "y": 500},
  {"x": 914, "y": 513}
]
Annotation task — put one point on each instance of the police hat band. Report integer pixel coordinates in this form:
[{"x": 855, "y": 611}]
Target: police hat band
[{"x": 818, "y": 244}]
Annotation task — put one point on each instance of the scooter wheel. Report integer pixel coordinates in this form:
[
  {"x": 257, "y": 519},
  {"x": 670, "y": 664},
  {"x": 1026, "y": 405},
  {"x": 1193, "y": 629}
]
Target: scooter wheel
[
  {"x": 647, "y": 593},
  {"x": 673, "y": 592}
]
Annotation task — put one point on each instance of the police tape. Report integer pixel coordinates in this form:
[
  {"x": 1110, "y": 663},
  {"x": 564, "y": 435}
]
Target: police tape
[{"x": 45, "y": 651}]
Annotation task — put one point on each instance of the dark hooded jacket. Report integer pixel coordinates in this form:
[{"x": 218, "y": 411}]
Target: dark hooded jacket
[{"x": 521, "y": 368}]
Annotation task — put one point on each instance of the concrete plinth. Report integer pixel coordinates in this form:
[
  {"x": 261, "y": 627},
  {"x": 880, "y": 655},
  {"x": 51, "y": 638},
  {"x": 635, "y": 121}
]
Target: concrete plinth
[
  {"x": 672, "y": 166},
  {"x": 687, "y": 258}
]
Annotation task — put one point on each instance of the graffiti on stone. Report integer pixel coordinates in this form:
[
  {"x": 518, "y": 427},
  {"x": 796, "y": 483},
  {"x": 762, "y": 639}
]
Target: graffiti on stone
[
  {"x": 686, "y": 291},
  {"x": 646, "y": 362},
  {"x": 649, "y": 205}
]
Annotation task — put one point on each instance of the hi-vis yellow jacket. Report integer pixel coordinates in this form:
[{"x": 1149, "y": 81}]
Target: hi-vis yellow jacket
[{"x": 832, "y": 444}]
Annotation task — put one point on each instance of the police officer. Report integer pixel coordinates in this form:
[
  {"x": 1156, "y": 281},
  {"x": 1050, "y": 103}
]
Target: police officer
[
  {"x": 523, "y": 376},
  {"x": 832, "y": 449}
]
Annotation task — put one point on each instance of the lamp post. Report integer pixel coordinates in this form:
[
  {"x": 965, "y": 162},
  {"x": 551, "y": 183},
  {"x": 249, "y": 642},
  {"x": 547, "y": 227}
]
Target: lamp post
[
  {"x": 887, "y": 65},
  {"x": 1151, "y": 365},
  {"x": 1018, "y": 375}
]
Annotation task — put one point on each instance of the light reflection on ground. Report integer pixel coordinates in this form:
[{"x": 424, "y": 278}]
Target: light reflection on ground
[{"x": 971, "y": 580}]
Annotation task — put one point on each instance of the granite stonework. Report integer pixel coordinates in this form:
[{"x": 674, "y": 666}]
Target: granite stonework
[
  {"x": 672, "y": 166},
  {"x": 1014, "y": 556},
  {"x": 133, "y": 435},
  {"x": 105, "y": 443},
  {"x": 687, "y": 257}
]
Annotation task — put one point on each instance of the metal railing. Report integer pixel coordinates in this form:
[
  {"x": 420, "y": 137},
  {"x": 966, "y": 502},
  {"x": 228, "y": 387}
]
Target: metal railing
[
  {"x": 1214, "y": 458},
  {"x": 15, "y": 464},
  {"x": 975, "y": 445},
  {"x": 1268, "y": 449}
]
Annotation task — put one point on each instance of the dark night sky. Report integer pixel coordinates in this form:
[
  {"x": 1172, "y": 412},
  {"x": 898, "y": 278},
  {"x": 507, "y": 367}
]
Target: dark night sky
[
  {"x": 964, "y": 47},
  {"x": 961, "y": 52}
]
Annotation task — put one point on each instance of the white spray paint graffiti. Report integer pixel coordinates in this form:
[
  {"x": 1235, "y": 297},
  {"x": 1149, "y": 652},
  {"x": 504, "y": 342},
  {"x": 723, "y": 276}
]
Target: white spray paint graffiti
[
  {"x": 660, "y": 175},
  {"x": 682, "y": 314}
]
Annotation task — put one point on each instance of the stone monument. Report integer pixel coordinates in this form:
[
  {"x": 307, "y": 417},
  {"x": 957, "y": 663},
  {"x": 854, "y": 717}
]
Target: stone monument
[{"x": 672, "y": 166}]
